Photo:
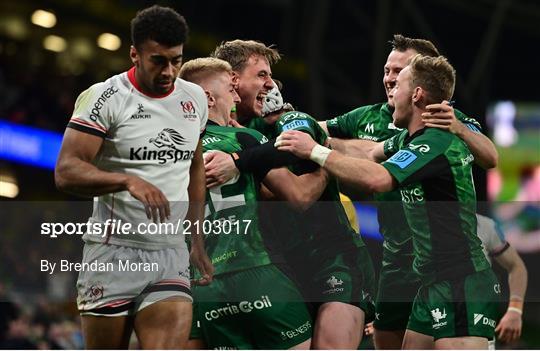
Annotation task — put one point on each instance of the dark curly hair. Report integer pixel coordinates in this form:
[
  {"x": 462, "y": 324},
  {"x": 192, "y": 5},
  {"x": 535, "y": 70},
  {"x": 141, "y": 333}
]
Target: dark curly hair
[
  {"x": 161, "y": 24},
  {"x": 421, "y": 46}
]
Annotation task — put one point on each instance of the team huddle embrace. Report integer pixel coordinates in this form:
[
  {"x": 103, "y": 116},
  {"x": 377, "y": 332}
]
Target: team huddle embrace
[{"x": 214, "y": 141}]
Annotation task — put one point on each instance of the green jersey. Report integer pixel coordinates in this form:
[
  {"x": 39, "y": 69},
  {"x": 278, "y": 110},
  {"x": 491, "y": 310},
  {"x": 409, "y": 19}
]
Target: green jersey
[
  {"x": 233, "y": 238},
  {"x": 434, "y": 171},
  {"x": 268, "y": 130},
  {"x": 375, "y": 122},
  {"x": 324, "y": 228}
]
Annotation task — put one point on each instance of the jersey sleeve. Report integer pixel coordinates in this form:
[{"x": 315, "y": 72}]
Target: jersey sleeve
[
  {"x": 469, "y": 122},
  {"x": 422, "y": 158},
  {"x": 491, "y": 235},
  {"x": 302, "y": 122},
  {"x": 248, "y": 137},
  {"x": 345, "y": 126},
  {"x": 391, "y": 145},
  {"x": 93, "y": 112}
]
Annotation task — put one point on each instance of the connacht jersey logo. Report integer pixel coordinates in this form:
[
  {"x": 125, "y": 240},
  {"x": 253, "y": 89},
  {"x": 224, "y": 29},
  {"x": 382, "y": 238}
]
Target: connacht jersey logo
[
  {"x": 437, "y": 315},
  {"x": 333, "y": 282},
  {"x": 423, "y": 148}
]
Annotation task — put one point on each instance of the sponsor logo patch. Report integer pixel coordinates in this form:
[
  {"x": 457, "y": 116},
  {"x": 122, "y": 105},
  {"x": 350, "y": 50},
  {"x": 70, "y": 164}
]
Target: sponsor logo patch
[
  {"x": 402, "y": 159},
  {"x": 295, "y": 125},
  {"x": 140, "y": 113},
  {"x": 100, "y": 102},
  {"x": 168, "y": 142},
  {"x": 478, "y": 317},
  {"x": 241, "y": 307}
]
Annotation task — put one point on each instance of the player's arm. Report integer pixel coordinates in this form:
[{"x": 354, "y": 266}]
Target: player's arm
[
  {"x": 443, "y": 116},
  {"x": 76, "y": 174},
  {"x": 354, "y": 147},
  {"x": 221, "y": 167},
  {"x": 195, "y": 214},
  {"x": 350, "y": 147},
  {"x": 367, "y": 175},
  {"x": 324, "y": 127},
  {"x": 509, "y": 327},
  {"x": 300, "y": 191}
]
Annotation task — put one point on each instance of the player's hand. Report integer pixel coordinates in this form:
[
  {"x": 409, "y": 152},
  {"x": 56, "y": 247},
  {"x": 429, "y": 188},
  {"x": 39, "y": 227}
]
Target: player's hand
[
  {"x": 219, "y": 168},
  {"x": 442, "y": 116},
  {"x": 369, "y": 330},
  {"x": 201, "y": 261},
  {"x": 235, "y": 124},
  {"x": 509, "y": 327},
  {"x": 299, "y": 143},
  {"x": 155, "y": 203}
]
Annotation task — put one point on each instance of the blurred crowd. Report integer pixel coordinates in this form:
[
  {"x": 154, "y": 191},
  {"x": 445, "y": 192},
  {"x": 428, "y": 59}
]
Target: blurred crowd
[
  {"x": 37, "y": 324},
  {"x": 36, "y": 97}
]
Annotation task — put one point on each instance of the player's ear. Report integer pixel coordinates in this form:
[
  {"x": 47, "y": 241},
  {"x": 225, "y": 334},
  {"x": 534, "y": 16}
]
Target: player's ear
[
  {"x": 235, "y": 79},
  {"x": 418, "y": 93},
  {"x": 210, "y": 98},
  {"x": 134, "y": 55}
]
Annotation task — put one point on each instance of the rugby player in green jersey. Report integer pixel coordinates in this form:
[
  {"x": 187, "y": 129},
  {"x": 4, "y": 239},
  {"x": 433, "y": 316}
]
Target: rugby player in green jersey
[
  {"x": 456, "y": 303},
  {"x": 355, "y": 133},
  {"x": 326, "y": 253},
  {"x": 251, "y": 302},
  {"x": 332, "y": 261}
]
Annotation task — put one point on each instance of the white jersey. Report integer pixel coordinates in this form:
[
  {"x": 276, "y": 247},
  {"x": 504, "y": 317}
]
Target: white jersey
[
  {"x": 152, "y": 137},
  {"x": 493, "y": 242}
]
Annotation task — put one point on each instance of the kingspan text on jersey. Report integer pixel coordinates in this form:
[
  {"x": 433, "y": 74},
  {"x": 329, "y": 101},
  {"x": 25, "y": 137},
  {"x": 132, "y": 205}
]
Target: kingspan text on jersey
[{"x": 174, "y": 155}]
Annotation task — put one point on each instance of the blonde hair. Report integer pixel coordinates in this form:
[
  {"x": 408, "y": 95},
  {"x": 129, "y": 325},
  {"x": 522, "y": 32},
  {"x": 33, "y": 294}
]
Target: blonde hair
[
  {"x": 435, "y": 75},
  {"x": 200, "y": 69},
  {"x": 237, "y": 52}
]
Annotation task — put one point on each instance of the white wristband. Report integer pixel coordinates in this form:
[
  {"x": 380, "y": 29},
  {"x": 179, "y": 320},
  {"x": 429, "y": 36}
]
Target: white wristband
[
  {"x": 515, "y": 309},
  {"x": 319, "y": 154}
]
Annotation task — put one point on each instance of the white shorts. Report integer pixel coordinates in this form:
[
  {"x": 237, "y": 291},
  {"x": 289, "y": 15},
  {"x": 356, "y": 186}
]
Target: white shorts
[{"x": 120, "y": 281}]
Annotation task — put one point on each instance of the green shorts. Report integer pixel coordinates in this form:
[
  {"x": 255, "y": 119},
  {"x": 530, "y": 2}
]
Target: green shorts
[
  {"x": 454, "y": 308},
  {"x": 398, "y": 286},
  {"x": 345, "y": 277},
  {"x": 258, "y": 308}
]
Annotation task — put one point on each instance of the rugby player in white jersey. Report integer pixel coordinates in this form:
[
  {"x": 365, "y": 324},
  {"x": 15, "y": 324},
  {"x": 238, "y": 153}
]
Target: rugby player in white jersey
[{"x": 133, "y": 144}]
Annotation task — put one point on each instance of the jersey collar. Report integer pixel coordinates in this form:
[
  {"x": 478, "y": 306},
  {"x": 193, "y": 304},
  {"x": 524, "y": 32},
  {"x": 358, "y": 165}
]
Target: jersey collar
[
  {"x": 415, "y": 134},
  {"x": 131, "y": 77}
]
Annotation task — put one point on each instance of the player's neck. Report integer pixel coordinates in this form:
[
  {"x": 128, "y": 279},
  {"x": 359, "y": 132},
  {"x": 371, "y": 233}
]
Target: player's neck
[
  {"x": 416, "y": 123},
  {"x": 216, "y": 118}
]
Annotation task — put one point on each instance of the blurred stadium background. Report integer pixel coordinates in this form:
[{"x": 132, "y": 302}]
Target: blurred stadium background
[{"x": 334, "y": 53}]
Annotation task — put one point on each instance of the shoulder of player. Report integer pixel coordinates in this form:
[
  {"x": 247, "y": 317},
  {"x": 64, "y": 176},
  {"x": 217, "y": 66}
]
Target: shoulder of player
[
  {"x": 436, "y": 133},
  {"x": 189, "y": 88},
  {"x": 106, "y": 89},
  {"x": 368, "y": 110},
  {"x": 251, "y": 132},
  {"x": 432, "y": 139},
  {"x": 299, "y": 121},
  {"x": 465, "y": 118},
  {"x": 443, "y": 142},
  {"x": 287, "y": 116}
]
